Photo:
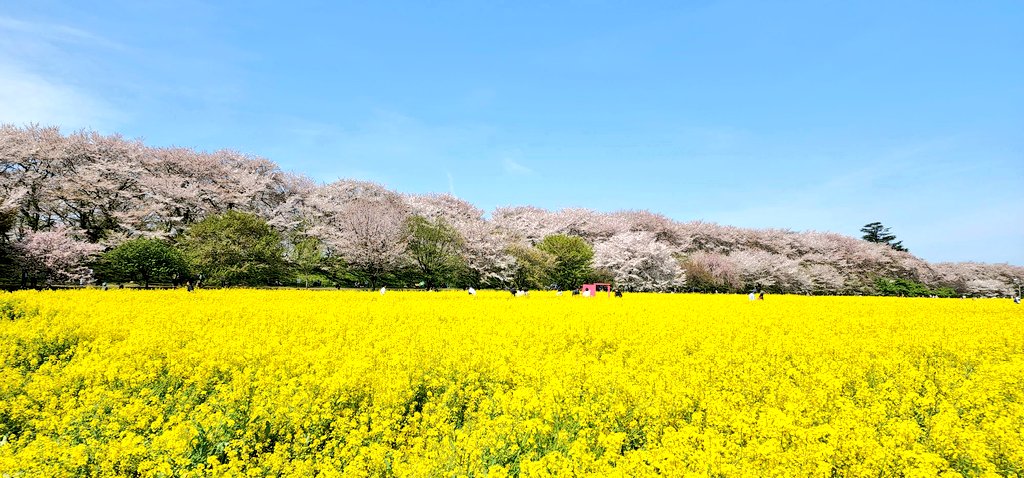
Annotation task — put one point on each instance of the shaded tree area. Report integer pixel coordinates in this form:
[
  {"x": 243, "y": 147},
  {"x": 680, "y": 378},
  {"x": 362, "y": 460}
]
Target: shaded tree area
[
  {"x": 8, "y": 266},
  {"x": 530, "y": 267},
  {"x": 69, "y": 200},
  {"x": 910, "y": 288},
  {"x": 144, "y": 261}
]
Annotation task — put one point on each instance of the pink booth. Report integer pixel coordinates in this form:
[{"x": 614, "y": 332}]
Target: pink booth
[{"x": 590, "y": 290}]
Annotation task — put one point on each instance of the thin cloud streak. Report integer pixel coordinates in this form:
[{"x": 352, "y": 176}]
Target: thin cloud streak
[
  {"x": 512, "y": 166},
  {"x": 56, "y": 32}
]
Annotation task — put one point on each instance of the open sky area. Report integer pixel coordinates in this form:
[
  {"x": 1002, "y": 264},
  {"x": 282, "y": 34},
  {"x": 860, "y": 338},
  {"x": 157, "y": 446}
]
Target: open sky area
[{"x": 806, "y": 115}]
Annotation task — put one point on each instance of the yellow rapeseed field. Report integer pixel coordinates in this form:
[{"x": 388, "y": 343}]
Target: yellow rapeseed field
[{"x": 327, "y": 383}]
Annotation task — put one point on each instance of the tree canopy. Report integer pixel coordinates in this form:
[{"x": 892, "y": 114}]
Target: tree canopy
[
  {"x": 531, "y": 267},
  {"x": 65, "y": 197},
  {"x": 877, "y": 233},
  {"x": 572, "y": 259},
  {"x": 436, "y": 251},
  {"x": 144, "y": 260},
  {"x": 235, "y": 248}
]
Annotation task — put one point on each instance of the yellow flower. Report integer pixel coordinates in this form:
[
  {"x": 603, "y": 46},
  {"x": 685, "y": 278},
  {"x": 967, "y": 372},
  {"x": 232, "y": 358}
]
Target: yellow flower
[{"x": 302, "y": 383}]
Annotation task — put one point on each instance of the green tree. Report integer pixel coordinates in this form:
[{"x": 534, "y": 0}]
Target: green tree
[
  {"x": 902, "y": 288},
  {"x": 572, "y": 259},
  {"x": 235, "y": 248},
  {"x": 436, "y": 251},
  {"x": 306, "y": 255},
  {"x": 532, "y": 267},
  {"x": 145, "y": 261},
  {"x": 875, "y": 232}
]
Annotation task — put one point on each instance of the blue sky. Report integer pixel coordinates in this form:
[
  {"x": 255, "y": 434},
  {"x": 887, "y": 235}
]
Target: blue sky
[{"x": 807, "y": 115}]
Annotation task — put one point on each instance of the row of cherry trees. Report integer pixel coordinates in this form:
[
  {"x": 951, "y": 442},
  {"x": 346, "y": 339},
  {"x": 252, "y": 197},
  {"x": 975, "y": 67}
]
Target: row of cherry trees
[{"x": 65, "y": 198}]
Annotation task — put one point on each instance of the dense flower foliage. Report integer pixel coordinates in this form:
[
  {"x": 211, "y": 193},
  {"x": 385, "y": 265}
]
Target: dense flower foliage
[
  {"x": 303, "y": 383},
  {"x": 93, "y": 188}
]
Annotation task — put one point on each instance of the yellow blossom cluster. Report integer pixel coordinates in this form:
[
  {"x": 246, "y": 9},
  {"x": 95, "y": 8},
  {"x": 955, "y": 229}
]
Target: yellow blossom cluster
[{"x": 343, "y": 383}]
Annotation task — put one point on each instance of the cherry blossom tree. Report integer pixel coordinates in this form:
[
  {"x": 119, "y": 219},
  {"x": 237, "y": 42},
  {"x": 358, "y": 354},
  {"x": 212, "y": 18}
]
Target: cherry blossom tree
[
  {"x": 32, "y": 164},
  {"x": 765, "y": 270},
  {"x": 181, "y": 186},
  {"x": 711, "y": 272},
  {"x": 362, "y": 222},
  {"x": 99, "y": 186},
  {"x": 485, "y": 248},
  {"x": 972, "y": 278},
  {"x": 523, "y": 223},
  {"x": 109, "y": 189},
  {"x": 57, "y": 255},
  {"x": 639, "y": 262},
  {"x": 820, "y": 279},
  {"x": 661, "y": 228}
]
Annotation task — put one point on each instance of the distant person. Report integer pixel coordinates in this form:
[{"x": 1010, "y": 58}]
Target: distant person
[
  {"x": 104, "y": 286},
  {"x": 618, "y": 293},
  {"x": 752, "y": 296},
  {"x": 383, "y": 290},
  {"x": 575, "y": 292},
  {"x": 472, "y": 291},
  {"x": 190, "y": 286},
  {"x": 1016, "y": 300},
  {"x": 760, "y": 296}
]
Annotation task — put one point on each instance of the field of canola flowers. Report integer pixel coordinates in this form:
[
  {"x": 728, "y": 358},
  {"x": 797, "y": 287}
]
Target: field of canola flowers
[{"x": 327, "y": 383}]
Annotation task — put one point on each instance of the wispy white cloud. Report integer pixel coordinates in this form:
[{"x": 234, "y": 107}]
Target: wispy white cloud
[
  {"x": 31, "y": 98},
  {"x": 512, "y": 166},
  {"x": 40, "y": 81},
  {"x": 451, "y": 184}
]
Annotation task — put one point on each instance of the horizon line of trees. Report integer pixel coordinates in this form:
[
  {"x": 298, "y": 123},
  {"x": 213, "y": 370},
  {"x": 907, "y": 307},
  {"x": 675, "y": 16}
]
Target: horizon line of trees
[
  {"x": 86, "y": 206},
  {"x": 241, "y": 249}
]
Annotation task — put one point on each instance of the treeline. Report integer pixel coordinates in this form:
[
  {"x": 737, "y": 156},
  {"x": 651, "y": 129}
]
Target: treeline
[{"x": 89, "y": 207}]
